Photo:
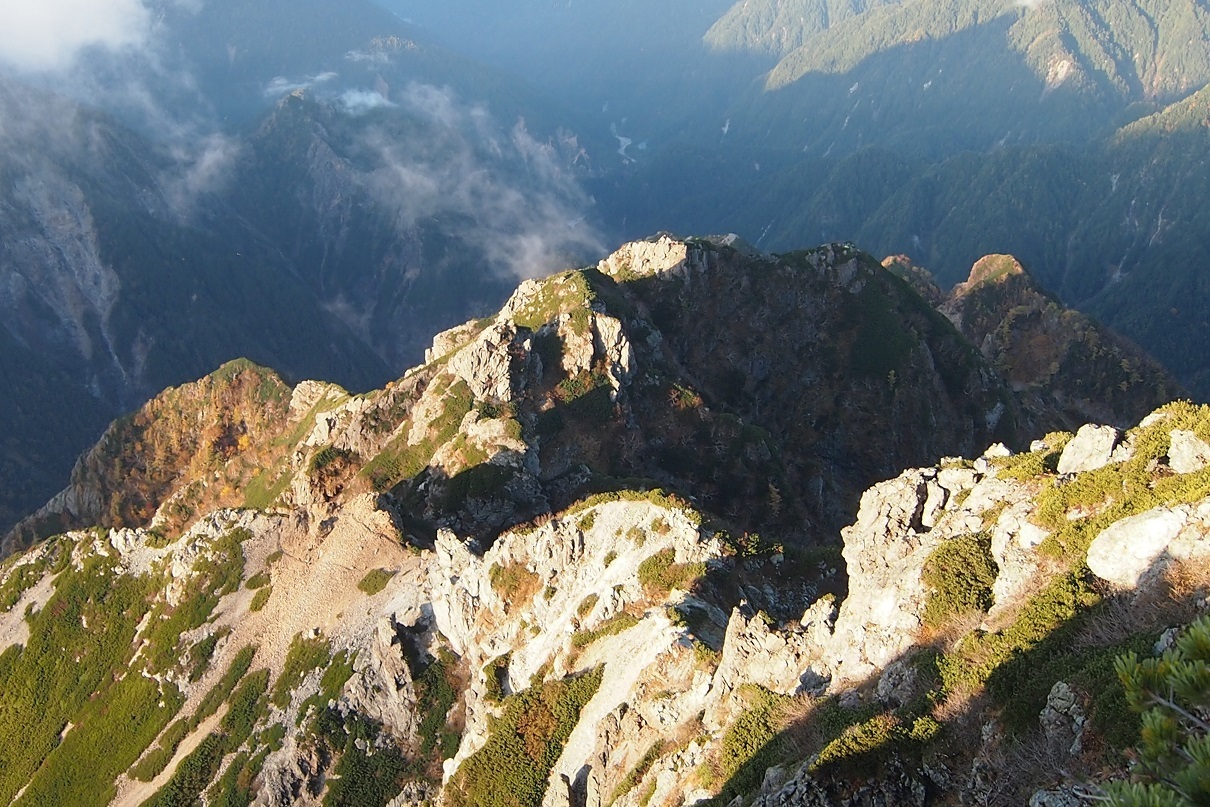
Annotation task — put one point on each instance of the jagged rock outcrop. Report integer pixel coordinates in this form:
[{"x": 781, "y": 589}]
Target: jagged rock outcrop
[
  {"x": 1014, "y": 545},
  {"x": 896, "y": 785},
  {"x": 486, "y": 365},
  {"x": 381, "y": 687},
  {"x": 657, "y": 257},
  {"x": 1065, "y": 368},
  {"x": 1063, "y": 720},
  {"x": 755, "y": 655},
  {"x": 899, "y": 525}
]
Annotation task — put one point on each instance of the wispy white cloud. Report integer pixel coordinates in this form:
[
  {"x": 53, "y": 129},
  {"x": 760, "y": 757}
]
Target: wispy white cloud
[
  {"x": 280, "y": 85},
  {"x": 374, "y": 57},
  {"x": 359, "y": 102},
  {"x": 47, "y": 35},
  {"x": 200, "y": 167},
  {"x": 510, "y": 192}
]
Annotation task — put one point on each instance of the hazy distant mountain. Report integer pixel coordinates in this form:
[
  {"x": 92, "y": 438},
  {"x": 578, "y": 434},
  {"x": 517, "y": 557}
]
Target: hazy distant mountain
[
  {"x": 107, "y": 292},
  {"x": 778, "y": 27},
  {"x": 948, "y": 129},
  {"x": 637, "y": 67},
  {"x": 245, "y": 53},
  {"x": 939, "y": 76},
  {"x": 396, "y": 190}
]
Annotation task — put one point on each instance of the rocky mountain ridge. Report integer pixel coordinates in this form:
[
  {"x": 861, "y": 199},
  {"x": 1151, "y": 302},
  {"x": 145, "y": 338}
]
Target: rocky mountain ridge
[
  {"x": 594, "y": 377},
  {"x": 436, "y": 594}
]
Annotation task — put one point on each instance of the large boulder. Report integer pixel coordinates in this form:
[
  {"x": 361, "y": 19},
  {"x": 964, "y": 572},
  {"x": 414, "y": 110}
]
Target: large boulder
[
  {"x": 1188, "y": 452},
  {"x": 1090, "y": 449},
  {"x": 1136, "y": 548}
]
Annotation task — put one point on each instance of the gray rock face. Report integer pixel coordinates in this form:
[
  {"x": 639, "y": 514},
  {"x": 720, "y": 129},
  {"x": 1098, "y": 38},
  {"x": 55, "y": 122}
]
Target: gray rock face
[
  {"x": 658, "y": 257},
  {"x": 1188, "y": 453},
  {"x": 1063, "y": 719},
  {"x": 897, "y": 684},
  {"x": 486, "y": 364},
  {"x": 611, "y": 343},
  {"x": 885, "y": 552},
  {"x": 1055, "y": 798},
  {"x": 1090, "y": 449},
  {"x": 755, "y": 654},
  {"x": 896, "y": 786},
  {"x": 414, "y": 794},
  {"x": 290, "y": 776},
  {"x": 448, "y": 341},
  {"x": 1129, "y": 550},
  {"x": 382, "y": 686},
  {"x": 1014, "y": 541},
  {"x": 59, "y": 263}
]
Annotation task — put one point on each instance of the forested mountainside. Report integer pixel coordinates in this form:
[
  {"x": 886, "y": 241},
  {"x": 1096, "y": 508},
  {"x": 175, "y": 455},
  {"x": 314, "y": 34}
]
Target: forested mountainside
[
  {"x": 1072, "y": 135},
  {"x": 568, "y": 560},
  {"x": 780, "y": 27}
]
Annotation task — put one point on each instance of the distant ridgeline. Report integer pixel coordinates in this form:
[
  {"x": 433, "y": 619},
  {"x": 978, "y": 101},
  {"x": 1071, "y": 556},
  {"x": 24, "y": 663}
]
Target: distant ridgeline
[{"x": 1072, "y": 134}]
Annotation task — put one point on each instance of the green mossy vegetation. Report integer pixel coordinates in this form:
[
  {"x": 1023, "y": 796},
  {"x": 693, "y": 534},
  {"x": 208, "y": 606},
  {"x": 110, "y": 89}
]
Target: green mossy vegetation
[
  {"x": 234, "y": 788},
  {"x": 495, "y": 674},
  {"x": 657, "y": 496},
  {"x": 215, "y": 575},
  {"x": 337, "y": 674},
  {"x": 222, "y": 690},
  {"x": 258, "y": 580},
  {"x": 260, "y": 599},
  {"x": 303, "y": 656},
  {"x": 19, "y": 578},
  {"x": 513, "y": 582},
  {"x": 587, "y": 604},
  {"x": 399, "y": 461},
  {"x": 155, "y": 760},
  {"x": 636, "y": 774},
  {"x": 375, "y": 581},
  {"x": 750, "y": 745},
  {"x": 369, "y": 772},
  {"x": 94, "y": 611},
  {"x": 959, "y": 575},
  {"x": 568, "y": 292},
  {"x": 201, "y": 653},
  {"x": 1077, "y": 510},
  {"x": 192, "y": 776},
  {"x": 248, "y": 705},
  {"x": 1027, "y": 466},
  {"x": 660, "y": 573},
  {"x": 611, "y": 627},
  {"x": 525, "y": 742},
  {"x": 436, "y": 690}
]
